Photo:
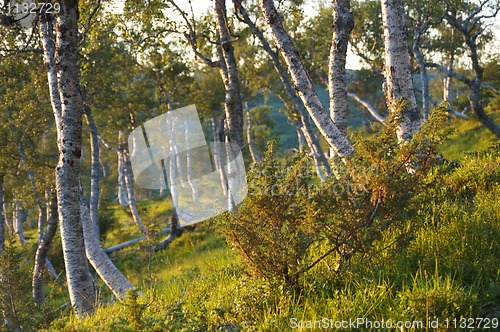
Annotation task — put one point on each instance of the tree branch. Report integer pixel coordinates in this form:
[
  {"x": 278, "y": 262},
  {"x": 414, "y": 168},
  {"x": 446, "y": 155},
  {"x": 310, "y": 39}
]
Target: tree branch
[{"x": 449, "y": 72}]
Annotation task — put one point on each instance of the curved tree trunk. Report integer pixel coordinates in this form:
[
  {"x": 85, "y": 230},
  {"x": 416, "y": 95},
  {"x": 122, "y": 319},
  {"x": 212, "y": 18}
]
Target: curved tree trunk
[
  {"x": 307, "y": 129},
  {"x": 94, "y": 172},
  {"x": 303, "y": 83},
  {"x": 104, "y": 267},
  {"x": 397, "y": 71},
  {"x": 42, "y": 250},
  {"x": 343, "y": 23},
  {"x": 130, "y": 193},
  {"x": 80, "y": 287}
]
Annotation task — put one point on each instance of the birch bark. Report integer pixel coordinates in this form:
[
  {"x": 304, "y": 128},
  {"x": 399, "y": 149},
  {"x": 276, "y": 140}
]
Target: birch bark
[
  {"x": 94, "y": 172},
  {"x": 80, "y": 287},
  {"x": 397, "y": 71},
  {"x": 303, "y": 83},
  {"x": 233, "y": 104},
  {"x": 42, "y": 250},
  {"x": 343, "y": 23},
  {"x": 104, "y": 267}
]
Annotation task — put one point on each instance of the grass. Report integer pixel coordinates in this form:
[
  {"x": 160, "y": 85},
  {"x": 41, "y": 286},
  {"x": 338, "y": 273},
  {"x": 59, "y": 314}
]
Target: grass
[
  {"x": 447, "y": 267},
  {"x": 442, "y": 262}
]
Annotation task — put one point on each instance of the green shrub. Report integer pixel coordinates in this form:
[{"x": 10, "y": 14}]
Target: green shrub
[
  {"x": 289, "y": 222},
  {"x": 16, "y": 302}
]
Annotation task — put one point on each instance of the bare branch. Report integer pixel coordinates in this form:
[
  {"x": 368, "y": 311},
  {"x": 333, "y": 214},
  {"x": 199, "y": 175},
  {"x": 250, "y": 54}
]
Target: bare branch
[
  {"x": 449, "y": 72},
  {"x": 88, "y": 24},
  {"x": 368, "y": 107}
]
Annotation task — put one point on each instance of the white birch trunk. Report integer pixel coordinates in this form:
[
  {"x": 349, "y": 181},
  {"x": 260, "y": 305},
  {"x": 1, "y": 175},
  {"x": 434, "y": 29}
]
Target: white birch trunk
[
  {"x": 397, "y": 71},
  {"x": 232, "y": 103},
  {"x": 19, "y": 219},
  {"x": 131, "y": 195},
  {"x": 94, "y": 172},
  {"x": 49, "y": 51},
  {"x": 303, "y": 82},
  {"x": 189, "y": 164},
  {"x": 299, "y": 105},
  {"x": 5, "y": 209},
  {"x": 343, "y": 23},
  {"x": 217, "y": 155},
  {"x": 122, "y": 188},
  {"x": 104, "y": 267},
  {"x": 300, "y": 137},
  {"x": 42, "y": 250},
  {"x": 420, "y": 27},
  {"x": 80, "y": 287}
]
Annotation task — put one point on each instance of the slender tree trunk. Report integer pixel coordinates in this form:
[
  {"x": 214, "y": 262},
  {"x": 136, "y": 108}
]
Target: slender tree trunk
[
  {"x": 233, "y": 104},
  {"x": 2, "y": 215},
  {"x": 251, "y": 147},
  {"x": 299, "y": 105},
  {"x": 42, "y": 250},
  {"x": 7, "y": 219},
  {"x": 31, "y": 176},
  {"x": 94, "y": 172},
  {"x": 300, "y": 136},
  {"x": 175, "y": 231},
  {"x": 448, "y": 82},
  {"x": 19, "y": 219},
  {"x": 343, "y": 23},
  {"x": 313, "y": 142},
  {"x": 218, "y": 156},
  {"x": 49, "y": 51},
  {"x": 122, "y": 187},
  {"x": 303, "y": 82},
  {"x": 189, "y": 164},
  {"x": 80, "y": 287},
  {"x": 131, "y": 195},
  {"x": 419, "y": 28},
  {"x": 104, "y": 267},
  {"x": 398, "y": 81}
]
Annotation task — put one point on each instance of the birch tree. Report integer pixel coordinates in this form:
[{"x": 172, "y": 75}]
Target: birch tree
[
  {"x": 68, "y": 117},
  {"x": 305, "y": 126},
  {"x": 343, "y": 23},
  {"x": 471, "y": 26},
  {"x": 302, "y": 81},
  {"x": 397, "y": 71}
]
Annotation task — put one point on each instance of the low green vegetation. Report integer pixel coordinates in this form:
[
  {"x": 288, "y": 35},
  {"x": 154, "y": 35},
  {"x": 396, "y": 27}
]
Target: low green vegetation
[{"x": 437, "y": 258}]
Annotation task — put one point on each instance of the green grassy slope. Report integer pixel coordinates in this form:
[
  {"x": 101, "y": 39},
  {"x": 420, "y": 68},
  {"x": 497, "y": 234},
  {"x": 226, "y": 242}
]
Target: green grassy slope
[{"x": 448, "y": 269}]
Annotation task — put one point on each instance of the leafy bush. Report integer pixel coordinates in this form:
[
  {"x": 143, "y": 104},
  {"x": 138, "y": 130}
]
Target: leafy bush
[
  {"x": 16, "y": 303},
  {"x": 288, "y": 222}
]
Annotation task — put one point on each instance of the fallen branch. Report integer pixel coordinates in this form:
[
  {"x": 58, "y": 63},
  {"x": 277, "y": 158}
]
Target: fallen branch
[{"x": 131, "y": 242}]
